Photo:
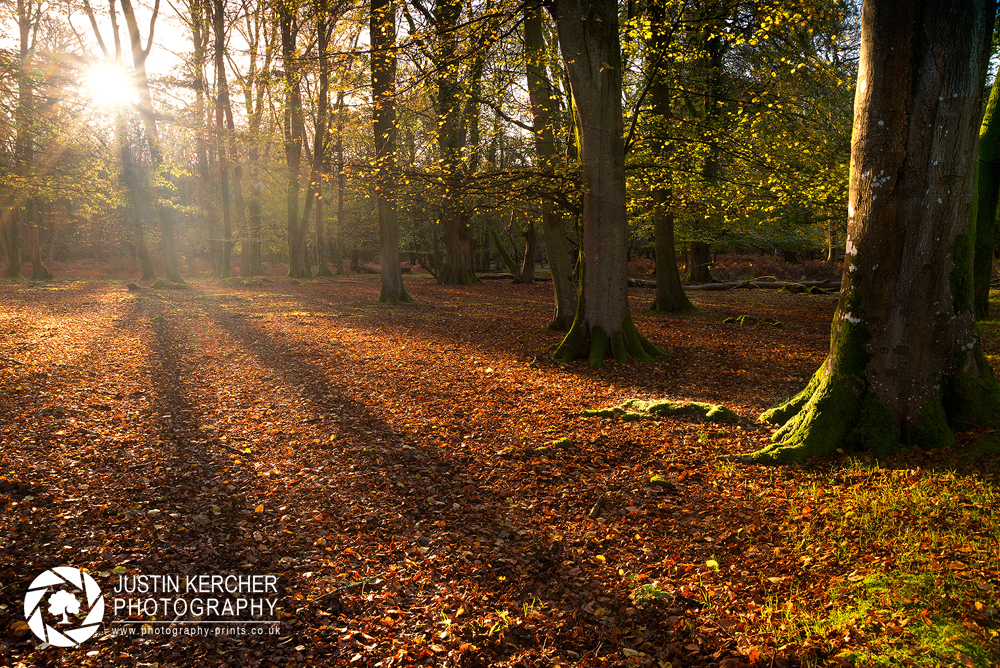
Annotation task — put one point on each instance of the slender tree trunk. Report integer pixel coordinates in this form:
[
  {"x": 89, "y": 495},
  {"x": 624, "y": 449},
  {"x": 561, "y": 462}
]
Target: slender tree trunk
[
  {"x": 454, "y": 220},
  {"x": 527, "y": 272},
  {"x": 987, "y": 194},
  {"x": 905, "y": 363},
  {"x": 588, "y": 39},
  {"x": 701, "y": 261},
  {"x": 383, "y": 35},
  {"x": 38, "y": 270},
  {"x": 670, "y": 296},
  {"x": 341, "y": 182},
  {"x": 293, "y": 138},
  {"x": 171, "y": 268},
  {"x": 221, "y": 102},
  {"x": 553, "y": 229}
]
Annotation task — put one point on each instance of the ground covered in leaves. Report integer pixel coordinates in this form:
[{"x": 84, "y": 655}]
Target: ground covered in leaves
[{"x": 422, "y": 480}]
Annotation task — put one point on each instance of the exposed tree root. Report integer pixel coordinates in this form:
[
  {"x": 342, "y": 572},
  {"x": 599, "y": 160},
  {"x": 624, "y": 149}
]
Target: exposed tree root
[
  {"x": 620, "y": 345},
  {"x": 633, "y": 410}
]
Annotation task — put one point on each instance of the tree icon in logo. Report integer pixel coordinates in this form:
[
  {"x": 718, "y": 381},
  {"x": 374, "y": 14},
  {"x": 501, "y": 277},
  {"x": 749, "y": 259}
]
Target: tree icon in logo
[
  {"x": 61, "y": 586},
  {"x": 63, "y": 602}
]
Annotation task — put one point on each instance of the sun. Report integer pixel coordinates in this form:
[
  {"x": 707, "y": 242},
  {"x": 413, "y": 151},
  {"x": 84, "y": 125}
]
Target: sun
[{"x": 110, "y": 86}]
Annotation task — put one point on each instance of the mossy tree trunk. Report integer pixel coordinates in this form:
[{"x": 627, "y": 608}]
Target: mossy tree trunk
[
  {"x": 588, "y": 39},
  {"x": 542, "y": 106},
  {"x": 987, "y": 191},
  {"x": 383, "y": 36},
  {"x": 905, "y": 363}
]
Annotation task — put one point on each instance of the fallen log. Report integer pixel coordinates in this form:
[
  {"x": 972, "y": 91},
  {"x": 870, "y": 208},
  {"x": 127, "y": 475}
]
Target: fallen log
[{"x": 746, "y": 285}]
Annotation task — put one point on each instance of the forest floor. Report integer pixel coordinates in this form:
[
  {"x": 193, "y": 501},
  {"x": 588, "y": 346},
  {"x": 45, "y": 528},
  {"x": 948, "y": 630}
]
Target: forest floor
[{"x": 397, "y": 468}]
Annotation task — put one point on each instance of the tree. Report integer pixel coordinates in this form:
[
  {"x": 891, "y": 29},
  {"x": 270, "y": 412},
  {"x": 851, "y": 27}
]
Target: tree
[
  {"x": 905, "y": 363},
  {"x": 987, "y": 195},
  {"x": 171, "y": 269},
  {"x": 383, "y": 36},
  {"x": 589, "y": 42},
  {"x": 670, "y": 295},
  {"x": 542, "y": 108}
]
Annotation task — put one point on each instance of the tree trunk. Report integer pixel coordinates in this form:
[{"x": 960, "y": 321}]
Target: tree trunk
[
  {"x": 670, "y": 295},
  {"x": 292, "y": 129},
  {"x": 701, "y": 261},
  {"x": 905, "y": 363},
  {"x": 588, "y": 39},
  {"x": 383, "y": 64},
  {"x": 987, "y": 192},
  {"x": 38, "y": 270},
  {"x": 527, "y": 271},
  {"x": 171, "y": 269},
  {"x": 553, "y": 230},
  {"x": 221, "y": 102}
]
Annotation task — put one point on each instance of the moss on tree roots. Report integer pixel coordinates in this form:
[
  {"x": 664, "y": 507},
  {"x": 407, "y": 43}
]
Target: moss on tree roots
[
  {"x": 838, "y": 411},
  {"x": 599, "y": 345},
  {"x": 638, "y": 409}
]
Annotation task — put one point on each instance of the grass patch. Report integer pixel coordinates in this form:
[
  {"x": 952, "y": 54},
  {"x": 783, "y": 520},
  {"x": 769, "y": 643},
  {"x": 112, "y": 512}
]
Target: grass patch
[{"x": 911, "y": 559}]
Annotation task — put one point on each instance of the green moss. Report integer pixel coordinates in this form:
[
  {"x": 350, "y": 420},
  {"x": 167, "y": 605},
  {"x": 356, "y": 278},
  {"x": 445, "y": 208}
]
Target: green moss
[
  {"x": 821, "y": 424},
  {"x": 618, "y": 348},
  {"x": 651, "y": 349},
  {"x": 731, "y": 320},
  {"x": 562, "y": 443},
  {"x": 783, "y": 412},
  {"x": 635, "y": 345},
  {"x": 876, "y": 430},
  {"x": 970, "y": 401},
  {"x": 598, "y": 347},
  {"x": 714, "y": 412},
  {"x": 931, "y": 429},
  {"x": 660, "y": 481},
  {"x": 663, "y": 408},
  {"x": 746, "y": 320},
  {"x": 960, "y": 278},
  {"x": 633, "y": 410}
]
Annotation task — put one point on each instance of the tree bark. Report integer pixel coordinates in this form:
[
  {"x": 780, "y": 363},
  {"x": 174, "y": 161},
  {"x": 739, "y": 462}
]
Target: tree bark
[
  {"x": 527, "y": 272},
  {"x": 701, "y": 260},
  {"x": 171, "y": 268},
  {"x": 221, "y": 102},
  {"x": 383, "y": 64},
  {"x": 905, "y": 363},
  {"x": 553, "y": 229},
  {"x": 456, "y": 233},
  {"x": 987, "y": 194},
  {"x": 588, "y": 39},
  {"x": 292, "y": 128}
]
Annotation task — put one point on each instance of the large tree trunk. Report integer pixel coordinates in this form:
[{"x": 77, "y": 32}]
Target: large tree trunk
[
  {"x": 588, "y": 39},
  {"x": 383, "y": 36},
  {"x": 553, "y": 230},
  {"x": 987, "y": 191},
  {"x": 905, "y": 363}
]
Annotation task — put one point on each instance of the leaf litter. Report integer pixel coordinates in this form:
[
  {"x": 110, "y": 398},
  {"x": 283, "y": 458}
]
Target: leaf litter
[{"x": 425, "y": 484}]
